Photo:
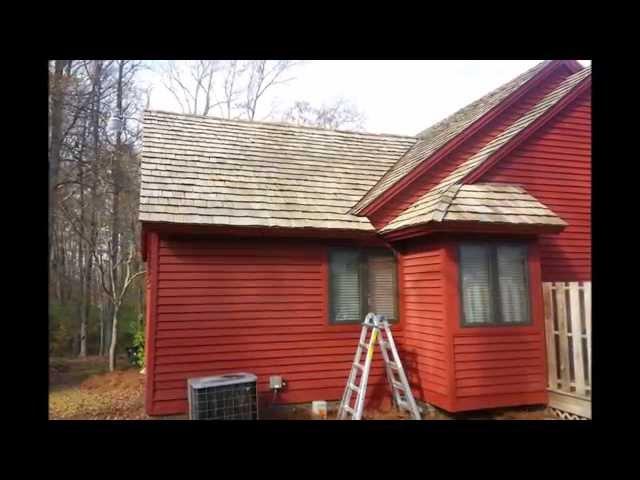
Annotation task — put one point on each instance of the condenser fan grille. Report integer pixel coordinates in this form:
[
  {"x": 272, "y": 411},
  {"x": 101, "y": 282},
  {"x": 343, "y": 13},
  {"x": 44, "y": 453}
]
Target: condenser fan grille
[{"x": 228, "y": 397}]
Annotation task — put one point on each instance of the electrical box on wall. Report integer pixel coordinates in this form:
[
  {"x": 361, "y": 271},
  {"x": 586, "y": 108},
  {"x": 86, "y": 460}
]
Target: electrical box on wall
[{"x": 276, "y": 382}]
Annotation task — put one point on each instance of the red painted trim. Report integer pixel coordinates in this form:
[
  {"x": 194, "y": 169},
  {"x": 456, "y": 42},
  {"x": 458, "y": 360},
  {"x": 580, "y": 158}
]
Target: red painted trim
[
  {"x": 456, "y": 141},
  {"x": 535, "y": 294},
  {"x": 143, "y": 242},
  {"x": 501, "y": 400},
  {"x": 451, "y": 310},
  {"x": 527, "y": 132},
  {"x": 400, "y": 290},
  {"x": 152, "y": 302},
  {"x": 469, "y": 227},
  {"x": 271, "y": 232}
]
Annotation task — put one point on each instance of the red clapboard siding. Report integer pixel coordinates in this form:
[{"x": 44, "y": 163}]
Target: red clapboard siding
[
  {"x": 474, "y": 143},
  {"x": 425, "y": 347},
  {"x": 497, "y": 366},
  {"x": 248, "y": 305},
  {"x": 554, "y": 165}
]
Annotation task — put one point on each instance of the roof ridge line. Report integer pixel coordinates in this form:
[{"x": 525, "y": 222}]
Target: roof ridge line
[{"x": 277, "y": 124}]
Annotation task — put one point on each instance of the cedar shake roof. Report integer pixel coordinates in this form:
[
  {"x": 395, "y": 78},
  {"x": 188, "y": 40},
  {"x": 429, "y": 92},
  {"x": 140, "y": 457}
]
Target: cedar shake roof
[
  {"x": 204, "y": 170},
  {"x": 436, "y": 204},
  {"x": 489, "y": 203},
  {"x": 436, "y": 136},
  {"x": 212, "y": 171}
]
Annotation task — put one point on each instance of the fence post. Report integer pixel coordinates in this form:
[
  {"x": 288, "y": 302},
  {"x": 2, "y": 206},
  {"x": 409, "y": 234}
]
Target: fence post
[
  {"x": 576, "y": 339},
  {"x": 565, "y": 374},
  {"x": 550, "y": 332}
]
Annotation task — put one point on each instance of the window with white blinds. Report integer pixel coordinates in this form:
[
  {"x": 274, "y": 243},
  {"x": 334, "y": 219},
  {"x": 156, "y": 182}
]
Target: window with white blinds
[
  {"x": 346, "y": 292},
  {"x": 512, "y": 281},
  {"x": 381, "y": 290},
  {"x": 361, "y": 281},
  {"x": 475, "y": 263},
  {"x": 494, "y": 284}
]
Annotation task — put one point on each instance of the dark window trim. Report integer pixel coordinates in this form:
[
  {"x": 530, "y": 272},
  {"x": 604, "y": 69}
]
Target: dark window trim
[
  {"x": 494, "y": 285},
  {"x": 363, "y": 253}
]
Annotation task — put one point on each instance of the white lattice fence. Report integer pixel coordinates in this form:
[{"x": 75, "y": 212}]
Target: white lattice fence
[{"x": 567, "y": 308}]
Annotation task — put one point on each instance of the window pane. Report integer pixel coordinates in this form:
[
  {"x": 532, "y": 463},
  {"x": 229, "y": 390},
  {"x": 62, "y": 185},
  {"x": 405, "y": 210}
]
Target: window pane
[
  {"x": 382, "y": 290},
  {"x": 476, "y": 296},
  {"x": 344, "y": 273},
  {"x": 514, "y": 298}
]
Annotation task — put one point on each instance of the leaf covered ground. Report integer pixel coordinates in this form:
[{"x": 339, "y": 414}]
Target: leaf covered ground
[{"x": 85, "y": 390}]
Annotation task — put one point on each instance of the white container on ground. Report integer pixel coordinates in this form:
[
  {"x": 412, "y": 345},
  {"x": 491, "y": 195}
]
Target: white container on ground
[{"x": 319, "y": 409}]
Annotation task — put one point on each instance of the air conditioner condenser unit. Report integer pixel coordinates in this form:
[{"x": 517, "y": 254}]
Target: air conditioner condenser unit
[{"x": 232, "y": 396}]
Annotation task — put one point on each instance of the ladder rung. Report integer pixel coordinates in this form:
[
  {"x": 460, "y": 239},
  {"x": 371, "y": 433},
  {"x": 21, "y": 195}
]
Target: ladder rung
[
  {"x": 349, "y": 410},
  {"x": 393, "y": 366},
  {"x": 364, "y": 345},
  {"x": 354, "y": 388},
  {"x": 398, "y": 385},
  {"x": 357, "y": 365}
]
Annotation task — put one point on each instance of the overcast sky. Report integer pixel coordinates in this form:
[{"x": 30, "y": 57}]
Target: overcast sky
[{"x": 396, "y": 96}]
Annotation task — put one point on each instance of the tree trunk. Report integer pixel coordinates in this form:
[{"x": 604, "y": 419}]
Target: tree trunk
[
  {"x": 57, "y": 102},
  {"x": 86, "y": 306},
  {"x": 107, "y": 325},
  {"x": 93, "y": 229},
  {"x": 101, "y": 333},
  {"x": 115, "y": 171},
  {"x": 82, "y": 271},
  {"x": 114, "y": 338}
]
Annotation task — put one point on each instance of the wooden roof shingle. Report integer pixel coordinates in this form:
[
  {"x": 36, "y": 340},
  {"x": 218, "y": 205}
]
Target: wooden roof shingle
[
  {"x": 489, "y": 203},
  {"x": 204, "y": 170}
]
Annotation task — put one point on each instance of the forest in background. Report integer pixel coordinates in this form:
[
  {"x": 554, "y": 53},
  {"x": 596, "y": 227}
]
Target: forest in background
[{"x": 96, "y": 274}]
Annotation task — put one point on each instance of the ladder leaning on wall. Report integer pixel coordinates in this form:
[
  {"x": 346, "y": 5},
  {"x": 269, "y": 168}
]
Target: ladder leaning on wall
[{"x": 376, "y": 328}]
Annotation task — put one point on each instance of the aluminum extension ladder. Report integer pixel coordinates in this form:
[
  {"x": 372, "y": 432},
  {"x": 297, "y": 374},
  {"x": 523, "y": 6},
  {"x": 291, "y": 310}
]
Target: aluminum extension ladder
[{"x": 379, "y": 330}]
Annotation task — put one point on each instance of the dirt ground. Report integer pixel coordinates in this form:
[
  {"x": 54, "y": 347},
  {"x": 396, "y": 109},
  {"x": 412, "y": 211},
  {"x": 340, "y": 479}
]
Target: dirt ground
[{"x": 85, "y": 390}]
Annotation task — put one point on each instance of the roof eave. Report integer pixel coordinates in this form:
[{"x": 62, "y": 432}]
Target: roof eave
[{"x": 497, "y": 228}]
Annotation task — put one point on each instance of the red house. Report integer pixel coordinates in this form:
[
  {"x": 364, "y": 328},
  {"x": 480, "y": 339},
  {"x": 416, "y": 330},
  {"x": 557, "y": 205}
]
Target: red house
[{"x": 266, "y": 244}]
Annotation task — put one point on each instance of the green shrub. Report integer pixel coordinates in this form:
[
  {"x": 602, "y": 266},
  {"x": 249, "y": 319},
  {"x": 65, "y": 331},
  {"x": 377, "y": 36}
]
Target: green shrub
[{"x": 138, "y": 344}]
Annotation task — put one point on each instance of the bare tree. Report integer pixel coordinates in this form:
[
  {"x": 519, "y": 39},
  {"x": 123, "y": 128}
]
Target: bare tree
[
  {"x": 115, "y": 290},
  {"x": 92, "y": 190},
  {"x": 263, "y": 75},
  {"x": 57, "y": 91},
  {"x": 231, "y": 88},
  {"x": 339, "y": 113},
  {"x": 233, "y": 72},
  {"x": 191, "y": 83}
]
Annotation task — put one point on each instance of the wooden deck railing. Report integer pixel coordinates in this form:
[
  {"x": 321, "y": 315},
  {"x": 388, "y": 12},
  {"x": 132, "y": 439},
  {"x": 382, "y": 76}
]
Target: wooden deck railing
[{"x": 568, "y": 333}]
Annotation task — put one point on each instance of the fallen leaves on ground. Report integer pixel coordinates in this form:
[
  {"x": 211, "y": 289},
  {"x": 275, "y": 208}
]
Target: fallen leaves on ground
[{"x": 117, "y": 395}]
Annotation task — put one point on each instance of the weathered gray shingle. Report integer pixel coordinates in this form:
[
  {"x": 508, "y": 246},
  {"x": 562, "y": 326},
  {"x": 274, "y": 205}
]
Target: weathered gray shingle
[
  {"x": 204, "y": 170},
  {"x": 486, "y": 203}
]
